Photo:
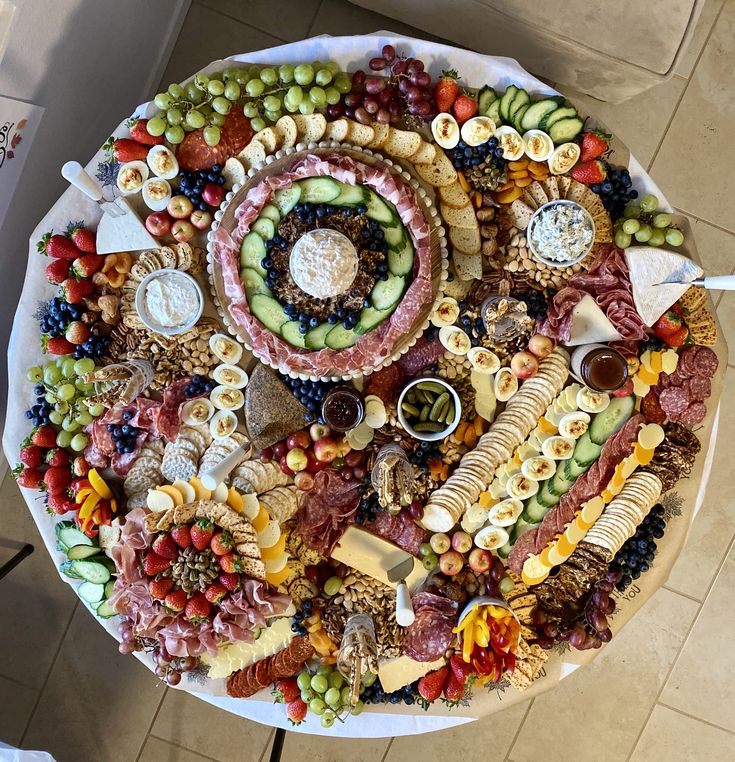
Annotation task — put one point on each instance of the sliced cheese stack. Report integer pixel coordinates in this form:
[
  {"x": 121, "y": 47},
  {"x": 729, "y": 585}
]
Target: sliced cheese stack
[
  {"x": 271, "y": 541},
  {"x": 652, "y": 364}
]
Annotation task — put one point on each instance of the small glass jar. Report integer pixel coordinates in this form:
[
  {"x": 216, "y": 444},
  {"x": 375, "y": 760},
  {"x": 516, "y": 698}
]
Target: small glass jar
[
  {"x": 392, "y": 457},
  {"x": 358, "y": 652},
  {"x": 600, "y": 367},
  {"x": 343, "y": 408},
  {"x": 510, "y": 325}
]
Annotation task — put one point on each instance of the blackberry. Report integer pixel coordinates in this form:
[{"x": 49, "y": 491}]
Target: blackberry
[
  {"x": 616, "y": 191},
  {"x": 638, "y": 552}
]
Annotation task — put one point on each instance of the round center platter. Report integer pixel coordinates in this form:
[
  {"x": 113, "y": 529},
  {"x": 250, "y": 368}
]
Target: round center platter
[{"x": 368, "y": 323}]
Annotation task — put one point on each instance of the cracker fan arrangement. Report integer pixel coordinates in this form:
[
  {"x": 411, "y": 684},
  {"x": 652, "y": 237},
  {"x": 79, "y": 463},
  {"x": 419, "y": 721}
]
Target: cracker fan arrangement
[{"x": 363, "y": 391}]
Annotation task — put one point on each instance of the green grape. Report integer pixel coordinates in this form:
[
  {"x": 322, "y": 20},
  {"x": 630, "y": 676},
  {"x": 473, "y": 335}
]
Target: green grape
[
  {"x": 323, "y": 77},
  {"x": 346, "y": 695},
  {"x": 216, "y": 75},
  {"x": 254, "y": 71},
  {"x": 34, "y": 374},
  {"x": 205, "y": 109},
  {"x": 643, "y": 234},
  {"x": 319, "y": 683},
  {"x": 674, "y": 237},
  {"x": 357, "y": 709},
  {"x": 201, "y": 81},
  {"x": 307, "y": 695},
  {"x": 662, "y": 220},
  {"x": 254, "y": 88},
  {"x": 163, "y": 100},
  {"x": 306, "y": 107},
  {"x": 303, "y": 74},
  {"x": 51, "y": 375},
  {"x": 176, "y": 91},
  {"x": 67, "y": 368},
  {"x": 211, "y": 135},
  {"x": 333, "y": 698},
  {"x": 221, "y": 105},
  {"x": 631, "y": 226},
  {"x": 336, "y": 680},
  {"x": 632, "y": 211},
  {"x": 327, "y": 719},
  {"x": 250, "y": 109},
  {"x": 228, "y": 73},
  {"x": 658, "y": 237},
  {"x": 215, "y": 87},
  {"x": 156, "y": 126},
  {"x": 242, "y": 77},
  {"x": 318, "y": 97},
  {"x": 343, "y": 83},
  {"x": 56, "y": 417},
  {"x": 316, "y": 65},
  {"x": 50, "y": 397},
  {"x": 66, "y": 392},
  {"x": 332, "y": 586},
  {"x": 62, "y": 407},
  {"x": 289, "y": 105},
  {"x": 285, "y": 73},
  {"x": 84, "y": 418},
  {"x": 271, "y": 103},
  {"x": 303, "y": 681},
  {"x": 217, "y": 119},
  {"x": 96, "y": 410},
  {"x": 175, "y": 134},
  {"x": 333, "y": 95},
  {"x": 368, "y": 679},
  {"x": 258, "y": 124},
  {"x": 273, "y": 116},
  {"x": 622, "y": 239},
  {"x": 193, "y": 93},
  {"x": 332, "y": 67},
  {"x": 317, "y": 706},
  {"x": 324, "y": 669},
  {"x": 70, "y": 425},
  {"x": 174, "y": 116},
  {"x": 295, "y": 94},
  {"x": 649, "y": 203},
  {"x": 84, "y": 387},
  {"x": 430, "y": 562},
  {"x": 232, "y": 91},
  {"x": 268, "y": 76},
  {"x": 195, "y": 119},
  {"x": 79, "y": 442},
  {"x": 63, "y": 438}
]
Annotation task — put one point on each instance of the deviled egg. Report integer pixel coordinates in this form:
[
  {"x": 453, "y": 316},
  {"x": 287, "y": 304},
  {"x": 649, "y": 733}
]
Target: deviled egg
[
  {"x": 558, "y": 448},
  {"x": 483, "y": 360},
  {"x": 445, "y": 130},
  {"x": 222, "y": 424},
  {"x": 446, "y": 312},
  {"x": 477, "y": 130},
  {"x": 538, "y": 468},
  {"x": 225, "y": 349},
  {"x": 505, "y": 513},
  {"x": 131, "y": 176},
  {"x": 491, "y": 538},
  {"x": 591, "y": 401},
  {"x": 227, "y": 398},
  {"x": 538, "y": 145},
  {"x": 511, "y": 142},
  {"x": 573, "y": 425},
  {"x": 230, "y": 375},
  {"x": 156, "y": 193},
  {"x": 162, "y": 162},
  {"x": 455, "y": 340},
  {"x": 521, "y": 487},
  {"x": 564, "y": 158},
  {"x": 506, "y": 385},
  {"x": 197, "y": 411}
]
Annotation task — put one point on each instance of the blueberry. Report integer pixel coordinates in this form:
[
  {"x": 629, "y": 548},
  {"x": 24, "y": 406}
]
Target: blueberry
[
  {"x": 633, "y": 194},
  {"x": 313, "y": 322},
  {"x": 395, "y": 698},
  {"x": 341, "y": 312},
  {"x": 332, "y": 319},
  {"x": 347, "y": 324},
  {"x": 361, "y": 209},
  {"x": 498, "y": 153}
]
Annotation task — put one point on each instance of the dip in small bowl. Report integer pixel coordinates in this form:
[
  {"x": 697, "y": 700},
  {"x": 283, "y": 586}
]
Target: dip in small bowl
[
  {"x": 560, "y": 233},
  {"x": 169, "y": 302}
]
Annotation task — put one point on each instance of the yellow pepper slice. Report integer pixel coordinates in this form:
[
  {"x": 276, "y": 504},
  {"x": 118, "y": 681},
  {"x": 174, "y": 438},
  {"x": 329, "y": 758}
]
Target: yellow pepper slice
[
  {"x": 89, "y": 505},
  {"x": 466, "y": 622}
]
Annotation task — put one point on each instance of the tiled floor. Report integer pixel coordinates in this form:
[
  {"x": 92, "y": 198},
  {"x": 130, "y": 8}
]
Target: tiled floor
[{"x": 663, "y": 690}]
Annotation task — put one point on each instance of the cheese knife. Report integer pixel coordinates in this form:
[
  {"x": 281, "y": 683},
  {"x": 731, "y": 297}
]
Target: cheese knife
[
  {"x": 715, "y": 282},
  {"x": 404, "y": 610}
]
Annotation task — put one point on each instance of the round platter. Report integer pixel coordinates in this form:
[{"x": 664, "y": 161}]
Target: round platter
[{"x": 277, "y": 164}]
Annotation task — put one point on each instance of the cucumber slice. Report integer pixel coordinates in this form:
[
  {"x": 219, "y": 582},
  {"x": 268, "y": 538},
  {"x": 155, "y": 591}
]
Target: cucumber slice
[
  {"x": 341, "y": 338},
  {"x": 268, "y": 311},
  {"x": 91, "y": 592},
  {"x": 546, "y": 497},
  {"x": 505, "y": 100},
  {"x": 504, "y": 552},
  {"x": 105, "y": 610},
  {"x": 109, "y": 588},
  {"x": 395, "y": 235},
  {"x": 493, "y": 111},
  {"x": 68, "y": 570},
  {"x": 351, "y": 195},
  {"x": 610, "y": 420},
  {"x": 91, "y": 571},
  {"x": 400, "y": 259},
  {"x": 563, "y": 112},
  {"x": 271, "y": 212},
  {"x": 78, "y": 552},
  {"x": 485, "y": 98},
  {"x": 518, "y": 117},
  {"x": 370, "y": 317},
  {"x": 252, "y": 252},
  {"x": 574, "y": 469},
  {"x": 319, "y": 190},
  {"x": 565, "y": 130},
  {"x": 586, "y": 451},
  {"x": 291, "y": 333},
  {"x": 535, "y": 511},
  {"x": 316, "y": 337},
  {"x": 264, "y": 227},
  {"x": 538, "y": 111},
  {"x": 380, "y": 210},
  {"x": 287, "y": 198},
  {"x": 387, "y": 292},
  {"x": 522, "y": 526},
  {"x": 521, "y": 99},
  {"x": 254, "y": 283},
  {"x": 560, "y": 485},
  {"x": 69, "y": 535}
]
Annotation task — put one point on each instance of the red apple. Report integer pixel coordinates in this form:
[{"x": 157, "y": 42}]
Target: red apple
[
  {"x": 451, "y": 563},
  {"x": 279, "y": 449},
  {"x": 158, "y": 224},
  {"x": 201, "y": 220},
  {"x": 312, "y": 464},
  {"x": 523, "y": 365},
  {"x": 461, "y": 542},
  {"x": 296, "y": 459},
  {"x": 304, "y": 481},
  {"x": 183, "y": 231},
  {"x": 440, "y": 543},
  {"x": 213, "y": 194},
  {"x": 325, "y": 449},
  {"x": 480, "y": 560},
  {"x": 343, "y": 447},
  {"x": 541, "y": 346},
  {"x": 180, "y": 207},
  {"x": 318, "y": 430},
  {"x": 284, "y": 467},
  {"x": 299, "y": 439}
]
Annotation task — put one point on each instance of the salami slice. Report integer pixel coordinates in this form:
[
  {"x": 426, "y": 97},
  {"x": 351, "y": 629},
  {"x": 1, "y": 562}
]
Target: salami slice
[
  {"x": 694, "y": 414},
  {"x": 674, "y": 401},
  {"x": 428, "y": 637},
  {"x": 700, "y": 388},
  {"x": 262, "y": 670},
  {"x": 651, "y": 408},
  {"x": 706, "y": 362}
]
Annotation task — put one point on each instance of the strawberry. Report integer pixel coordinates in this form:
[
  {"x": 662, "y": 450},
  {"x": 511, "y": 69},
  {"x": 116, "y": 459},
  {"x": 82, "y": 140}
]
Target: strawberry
[
  {"x": 460, "y": 668},
  {"x": 57, "y": 479},
  {"x": 160, "y": 588},
  {"x": 181, "y": 535},
  {"x": 201, "y": 533},
  {"x": 464, "y": 108},
  {"x": 31, "y": 455},
  {"x": 44, "y": 436},
  {"x": 446, "y": 90},
  {"x": 678, "y": 338},
  {"x": 139, "y": 133},
  {"x": 30, "y": 478},
  {"x": 58, "y": 246},
  {"x": 77, "y": 332},
  {"x": 154, "y": 564},
  {"x": 430, "y": 686},
  {"x": 230, "y": 563},
  {"x": 197, "y": 609},
  {"x": 215, "y": 592},
  {"x": 85, "y": 240},
  {"x": 668, "y": 324},
  {"x": 594, "y": 144},
  {"x": 57, "y": 345},
  {"x": 453, "y": 689},
  {"x": 80, "y": 467},
  {"x": 175, "y": 601},
  {"x": 57, "y": 457},
  {"x": 57, "y": 271},
  {"x": 60, "y": 504},
  {"x": 222, "y": 543},
  {"x": 86, "y": 266},
  {"x": 286, "y": 691},
  {"x": 129, "y": 150},
  {"x": 165, "y": 546},
  {"x": 230, "y": 580},
  {"x": 74, "y": 291},
  {"x": 590, "y": 172},
  {"x": 296, "y": 711}
]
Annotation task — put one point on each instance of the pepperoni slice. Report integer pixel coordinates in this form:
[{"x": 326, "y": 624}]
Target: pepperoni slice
[{"x": 651, "y": 408}]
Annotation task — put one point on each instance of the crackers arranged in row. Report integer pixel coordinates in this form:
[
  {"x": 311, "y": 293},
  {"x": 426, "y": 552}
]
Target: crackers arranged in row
[
  {"x": 219, "y": 449},
  {"x": 180, "y": 256},
  {"x": 281, "y": 503},
  {"x": 181, "y": 457},
  {"x": 256, "y": 476},
  {"x": 529, "y": 661},
  {"x": 144, "y": 474}
]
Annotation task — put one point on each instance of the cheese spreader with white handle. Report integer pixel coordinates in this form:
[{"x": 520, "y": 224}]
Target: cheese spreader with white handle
[
  {"x": 714, "y": 282},
  {"x": 120, "y": 228},
  {"x": 215, "y": 476},
  {"x": 404, "y": 609}
]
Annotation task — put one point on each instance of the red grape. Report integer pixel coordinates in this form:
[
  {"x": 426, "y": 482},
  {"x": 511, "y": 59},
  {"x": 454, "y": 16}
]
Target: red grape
[
  {"x": 614, "y": 576},
  {"x": 385, "y": 97},
  {"x": 346, "y": 473},
  {"x": 400, "y": 67},
  {"x": 611, "y": 605},
  {"x": 491, "y": 588},
  {"x": 551, "y": 629},
  {"x": 160, "y": 660},
  {"x": 422, "y": 79},
  {"x": 187, "y": 663},
  {"x": 538, "y": 617},
  {"x": 160, "y": 672},
  {"x": 164, "y": 653},
  {"x": 598, "y": 620},
  {"x": 389, "y": 53},
  {"x": 128, "y": 635},
  {"x": 370, "y": 104},
  {"x": 173, "y": 678},
  {"x": 127, "y": 648},
  {"x": 605, "y": 635},
  {"x": 497, "y": 572},
  {"x": 279, "y": 449},
  {"x": 605, "y": 585},
  {"x": 395, "y": 109},
  {"x": 414, "y": 65},
  {"x": 565, "y": 634},
  {"x": 266, "y": 454},
  {"x": 360, "y": 472},
  {"x": 421, "y": 108},
  {"x": 354, "y": 458},
  {"x": 395, "y": 118},
  {"x": 383, "y": 116},
  {"x": 335, "y": 110},
  {"x": 599, "y": 599},
  {"x": 545, "y": 643},
  {"x": 416, "y": 510},
  {"x": 577, "y": 638},
  {"x": 349, "y": 112},
  {"x": 353, "y": 99},
  {"x": 404, "y": 85},
  {"x": 377, "y": 63},
  {"x": 374, "y": 85},
  {"x": 358, "y": 78}
]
